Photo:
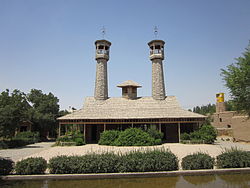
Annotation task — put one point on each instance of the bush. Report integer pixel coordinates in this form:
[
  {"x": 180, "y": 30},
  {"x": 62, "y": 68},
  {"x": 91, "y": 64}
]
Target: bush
[
  {"x": 31, "y": 166},
  {"x": 146, "y": 161},
  {"x": 6, "y": 166},
  {"x": 31, "y": 137},
  {"x": 64, "y": 138},
  {"x": 14, "y": 143},
  {"x": 3, "y": 145},
  {"x": 91, "y": 163},
  {"x": 136, "y": 161},
  {"x": 233, "y": 158},
  {"x": 134, "y": 137},
  {"x": 100, "y": 163},
  {"x": 155, "y": 134},
  {"x": 79, "y": 141},
  {"x": 197, "y": 161},
  {"x": 108, "y": 137},
  {"x": 185, "y": 136},
  {"x": 64, "y": 164},
  {"x": 72, "y": 139},
  {"x": 206, "y": 134}
]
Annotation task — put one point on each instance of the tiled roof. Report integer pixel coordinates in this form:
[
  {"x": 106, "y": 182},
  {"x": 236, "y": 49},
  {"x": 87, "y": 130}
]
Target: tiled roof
[
  {"x": 129, "y": 83},
  {"x": 122, "y": 108}
]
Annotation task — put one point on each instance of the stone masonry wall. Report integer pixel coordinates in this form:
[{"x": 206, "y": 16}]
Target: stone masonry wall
[
  {"x": 158, "y": 86},
  {"x": 241, "y": 128},
  {"x": 101, "y": 82}
]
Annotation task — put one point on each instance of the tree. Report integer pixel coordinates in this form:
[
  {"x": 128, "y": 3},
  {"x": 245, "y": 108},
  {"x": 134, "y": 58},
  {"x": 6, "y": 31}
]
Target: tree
[
  {"x": 13, "y": 110},
  {"x": 237, "y": 78},
  {"x": 205, "y": 110},
  {"x": 44, "y": 112}
]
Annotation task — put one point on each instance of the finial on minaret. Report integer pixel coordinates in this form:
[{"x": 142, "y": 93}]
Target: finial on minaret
[
  {"x": 155, "y": 31},
  {"x": 103, "y": 32}
]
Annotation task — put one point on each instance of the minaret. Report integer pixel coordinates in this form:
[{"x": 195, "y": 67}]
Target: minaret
[
  {"x": 220, "y": 103},
  {"x": 102, "y": 57},
  {"x": 157, "y": 56}
]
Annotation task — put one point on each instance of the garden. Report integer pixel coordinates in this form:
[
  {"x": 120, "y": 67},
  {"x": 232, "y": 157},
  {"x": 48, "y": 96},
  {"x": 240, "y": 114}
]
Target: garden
[{"x": 134, "y": 161}]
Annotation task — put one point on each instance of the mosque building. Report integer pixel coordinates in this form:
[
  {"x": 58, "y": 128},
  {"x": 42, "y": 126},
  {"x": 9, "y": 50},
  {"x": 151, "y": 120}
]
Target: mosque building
[{"x": 159, "y": 111}]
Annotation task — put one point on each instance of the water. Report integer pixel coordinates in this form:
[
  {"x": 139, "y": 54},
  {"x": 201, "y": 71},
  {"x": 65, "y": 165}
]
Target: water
[{"x": 214, "y": 181}]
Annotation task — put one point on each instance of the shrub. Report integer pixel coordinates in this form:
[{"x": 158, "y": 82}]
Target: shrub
[
  {"x": 197, "y": 161},
  {"x": 64, "y": 164},
  {"x": 134, "y": 137},
  {"x": 136, "y": 161},
  {"x": 79, "y": 141},
  {"x": 28, "y": 136},
  {"x": 6, "y": 166},
  {"x": 100, "y": 163},
  {"x": 31, "y": 166},
  {"x": 155, "y": 133},
  {"x": 72, "y": 139},
  {"x": 233, "y": 158},
  {"x": 3, "y": 145},
  {"x": 185, "y": 136},
  {"x": 145, "y": 161},
  {"x": 64, "y": 138},
  {"x": 15, "y": 143},
  {"x": 91, "y": 163},
  {"x": 206, "y": 134},
  {"x": 108, "y": 137}
]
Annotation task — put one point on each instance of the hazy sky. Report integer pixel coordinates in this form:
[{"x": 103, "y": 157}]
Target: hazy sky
[{"x": 49, "y": 45}]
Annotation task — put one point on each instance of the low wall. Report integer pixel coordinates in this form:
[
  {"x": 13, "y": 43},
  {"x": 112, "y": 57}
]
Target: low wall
[{"x": 127, "y": 175}]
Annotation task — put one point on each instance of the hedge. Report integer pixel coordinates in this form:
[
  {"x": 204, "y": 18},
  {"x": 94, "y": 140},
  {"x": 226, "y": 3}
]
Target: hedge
[
  {"x": 6, "y": 166},
  {"x": 146, "y": 161},
  {"x": 197, "y": 161},
  {"x": 30, "y": 166},
  {"x": 233, "y": 158},
  {"x": 90, "y": 163},
  {"x": 136, "y": 161}
]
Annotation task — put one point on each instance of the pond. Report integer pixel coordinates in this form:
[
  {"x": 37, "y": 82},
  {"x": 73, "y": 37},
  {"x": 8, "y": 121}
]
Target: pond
[{"x": 205, "y": 181}]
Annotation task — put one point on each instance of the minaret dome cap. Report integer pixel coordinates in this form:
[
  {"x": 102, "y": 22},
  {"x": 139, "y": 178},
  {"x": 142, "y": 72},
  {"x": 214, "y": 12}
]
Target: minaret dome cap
[
  {"x": 156, "y": 42},
  {"x": 102, "y": 42}
]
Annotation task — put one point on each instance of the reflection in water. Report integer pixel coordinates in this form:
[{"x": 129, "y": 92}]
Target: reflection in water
[
  {"x": 121, "y": 183},
  {"x": 207, "y": 181},
  {"x": 239, "y": 180},
  {"x": 199, "y": 180}
]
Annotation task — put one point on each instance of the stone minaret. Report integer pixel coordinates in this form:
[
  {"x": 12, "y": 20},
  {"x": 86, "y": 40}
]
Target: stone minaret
[
  {"x": 102, "y": 57},
  {"x": 156, "y": 56}
]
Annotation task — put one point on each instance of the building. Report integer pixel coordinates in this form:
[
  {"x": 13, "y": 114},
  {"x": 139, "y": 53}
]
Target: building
[
  {"x": 230, "y": 123},
  {"x": 101, "y": 112}
]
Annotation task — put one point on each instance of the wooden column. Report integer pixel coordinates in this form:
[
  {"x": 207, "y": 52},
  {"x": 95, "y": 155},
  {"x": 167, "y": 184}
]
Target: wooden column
[
  {"x": 84, "y": 133},
  {"x": 179, "y": 132},
  {"x": 66, "y": 129},
  {"x": 104, "y": 128},
  {"x": 160, "y": 127},
  {"x": 59, "y": 130}
]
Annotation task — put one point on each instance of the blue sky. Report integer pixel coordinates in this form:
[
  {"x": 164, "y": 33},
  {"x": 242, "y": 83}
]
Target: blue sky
[{"x": 49, "y": 45}]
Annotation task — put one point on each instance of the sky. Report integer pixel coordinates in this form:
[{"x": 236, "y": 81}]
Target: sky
[{"x": 49, "y": 45}]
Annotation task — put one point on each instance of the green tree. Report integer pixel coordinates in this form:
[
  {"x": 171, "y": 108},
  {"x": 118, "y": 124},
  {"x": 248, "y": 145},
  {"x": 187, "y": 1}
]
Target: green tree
[
  {"x": 44, "y": 112},
  {"x": 13, "y": 110},
  {"x": 205, "y": 110},
  {"x": 237, "y": 78}
]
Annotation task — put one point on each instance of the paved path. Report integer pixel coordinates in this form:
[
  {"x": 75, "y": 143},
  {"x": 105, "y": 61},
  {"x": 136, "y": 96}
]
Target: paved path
[
  {"x": 181, "y": 150},
  {"x": 20, "y": 153},
  {"x": 44, "y": 150}
]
